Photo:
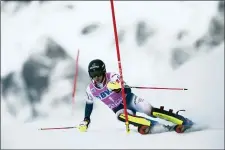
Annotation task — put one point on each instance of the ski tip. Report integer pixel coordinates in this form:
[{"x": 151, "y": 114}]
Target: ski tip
[{"x": 185, "y": 89}]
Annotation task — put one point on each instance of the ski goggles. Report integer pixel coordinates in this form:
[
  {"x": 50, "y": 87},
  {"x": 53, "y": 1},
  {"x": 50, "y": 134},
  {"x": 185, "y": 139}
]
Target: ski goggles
[{"x": 95, "y": 74}]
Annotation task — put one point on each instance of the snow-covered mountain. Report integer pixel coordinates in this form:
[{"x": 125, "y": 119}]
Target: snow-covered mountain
[{"x": 174, "y": 44}]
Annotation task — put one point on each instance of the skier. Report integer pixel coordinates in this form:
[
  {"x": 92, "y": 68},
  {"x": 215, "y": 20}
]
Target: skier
[{"x": 106, "y": 87}]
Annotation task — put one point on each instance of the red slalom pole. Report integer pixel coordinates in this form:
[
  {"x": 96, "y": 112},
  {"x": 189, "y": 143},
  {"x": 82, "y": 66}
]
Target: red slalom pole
[
  {"x": 75, "y": 80},
  {"x": 158, "y": 88},
  {"x": 57, "y": 128},
  {"x": 119, "y": 65}
]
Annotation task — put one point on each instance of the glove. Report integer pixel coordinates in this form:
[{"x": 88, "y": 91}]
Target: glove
[
  {"x": 83, "y": 126},
  {"x": 114, "y": 86}
]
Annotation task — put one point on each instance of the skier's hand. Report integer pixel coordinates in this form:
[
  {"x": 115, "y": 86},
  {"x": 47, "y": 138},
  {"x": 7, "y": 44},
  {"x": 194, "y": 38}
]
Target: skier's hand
[
  {"x": 83, "y": 126},
  {"x": 114, "y": 86}
]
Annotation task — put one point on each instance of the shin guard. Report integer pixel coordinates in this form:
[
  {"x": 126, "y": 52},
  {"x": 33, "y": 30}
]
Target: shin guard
[
  {"x": 168, "y": 115},
  {"x": 135, "y": 120},
  {"x": 144, "y": 125}
]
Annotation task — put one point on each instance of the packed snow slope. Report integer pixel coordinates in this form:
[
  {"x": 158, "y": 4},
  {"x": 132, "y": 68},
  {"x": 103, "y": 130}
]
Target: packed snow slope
[
  {"x": 204, "y": 102},
  {"x": 146, "y": 65}
]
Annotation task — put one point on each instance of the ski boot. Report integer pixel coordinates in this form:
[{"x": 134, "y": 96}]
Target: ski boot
[
  {"x": 143, "y": 129},
  {"x": 184, "y": 126},
  {"x": 181, "y": 123},
  {"x": 179, "y": 128}
]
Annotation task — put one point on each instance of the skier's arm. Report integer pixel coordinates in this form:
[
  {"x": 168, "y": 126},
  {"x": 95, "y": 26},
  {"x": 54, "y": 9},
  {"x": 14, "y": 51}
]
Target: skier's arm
[
  {"x": 89, "y": 105},
  {"x": 88, "y": 110}
]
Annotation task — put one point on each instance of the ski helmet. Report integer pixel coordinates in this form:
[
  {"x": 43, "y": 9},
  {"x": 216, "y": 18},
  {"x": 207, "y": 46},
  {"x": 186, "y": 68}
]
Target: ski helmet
[{"x": 96, "y": 68}]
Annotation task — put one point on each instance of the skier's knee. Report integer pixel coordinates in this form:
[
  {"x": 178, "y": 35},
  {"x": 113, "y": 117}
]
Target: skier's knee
[
  {"x": 134, "y": 120},
  {"x": 121, "y": 111}
]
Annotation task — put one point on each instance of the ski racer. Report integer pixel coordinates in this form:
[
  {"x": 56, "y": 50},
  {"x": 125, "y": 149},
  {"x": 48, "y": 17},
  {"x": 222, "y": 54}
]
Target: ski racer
[{"x": 105, "y": 86}]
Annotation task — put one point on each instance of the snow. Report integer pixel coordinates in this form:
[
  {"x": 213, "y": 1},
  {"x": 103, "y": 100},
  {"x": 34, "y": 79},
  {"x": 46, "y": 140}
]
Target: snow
[{"x": 203, "y": 75}]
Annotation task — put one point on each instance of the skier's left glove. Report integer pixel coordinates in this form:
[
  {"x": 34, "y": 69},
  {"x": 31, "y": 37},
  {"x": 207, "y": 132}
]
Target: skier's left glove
[
  {"x": 114, "y": 86},
  {"x": 83, "y": 126}
]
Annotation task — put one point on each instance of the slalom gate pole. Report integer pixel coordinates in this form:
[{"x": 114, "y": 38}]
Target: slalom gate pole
[
  {"x": 119, "y": 65},
  {"x": 75, "y": 81},
  {"x": 158, "y": 88},
  {"x": 58, "y": 128}
]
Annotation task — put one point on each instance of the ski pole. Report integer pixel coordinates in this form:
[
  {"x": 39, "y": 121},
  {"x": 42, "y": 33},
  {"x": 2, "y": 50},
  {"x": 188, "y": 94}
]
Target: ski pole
[
  {"x": 57, "y": 128},
  {"x": 156, "y": 88},
  {"x": 119, "y": 64}
]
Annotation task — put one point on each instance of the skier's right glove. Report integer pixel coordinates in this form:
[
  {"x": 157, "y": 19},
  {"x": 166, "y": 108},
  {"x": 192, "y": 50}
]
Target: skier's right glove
[{"x": 83, "y": 126}]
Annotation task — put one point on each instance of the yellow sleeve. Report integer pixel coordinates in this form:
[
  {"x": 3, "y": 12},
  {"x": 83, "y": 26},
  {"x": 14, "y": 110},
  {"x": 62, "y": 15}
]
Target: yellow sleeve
[{"x": 113, "y": 85}]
